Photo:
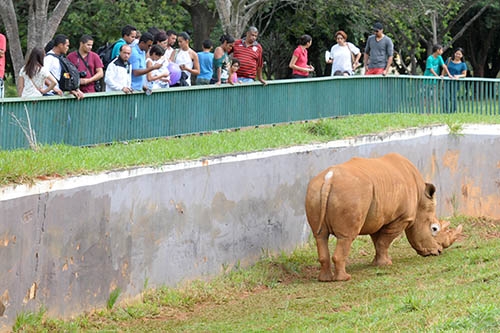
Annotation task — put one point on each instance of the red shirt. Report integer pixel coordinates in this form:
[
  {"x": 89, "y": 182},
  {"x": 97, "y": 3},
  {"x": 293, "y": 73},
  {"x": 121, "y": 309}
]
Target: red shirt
[
  {"x": 93, "y": 61},
  {"x": 301, "y": 54},
  {"x": 3, "y": 47},
  {"x": 250, "y": 58}
]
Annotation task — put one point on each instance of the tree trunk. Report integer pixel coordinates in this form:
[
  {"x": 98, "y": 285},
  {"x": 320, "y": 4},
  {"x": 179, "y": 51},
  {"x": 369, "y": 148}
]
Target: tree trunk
[
  {"x": 204, "y": 20},
  {"x": 236, "y": 14},
  {"x": 41, "y": 26}
]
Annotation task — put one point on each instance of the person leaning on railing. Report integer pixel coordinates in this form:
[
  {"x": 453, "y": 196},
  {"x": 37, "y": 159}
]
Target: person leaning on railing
[
  {"x": 119, "y": 73},
  {"x": 33, "y": 75},
  {"x": 3, "y": 49},
  {"x": 457, "y": 69}
]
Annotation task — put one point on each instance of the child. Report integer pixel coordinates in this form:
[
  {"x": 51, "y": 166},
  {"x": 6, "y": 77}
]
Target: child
[
  {"x": 233, "y": 77},
  {"x": 158, "y": 78}
]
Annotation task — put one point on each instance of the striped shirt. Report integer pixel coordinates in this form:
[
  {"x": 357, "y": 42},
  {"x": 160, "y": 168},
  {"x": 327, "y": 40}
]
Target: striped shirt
[{"x": 250, "y": 58}]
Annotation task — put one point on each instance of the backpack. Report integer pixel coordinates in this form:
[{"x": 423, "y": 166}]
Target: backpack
[
  {"x": 105, "y": 52},
  {"x": 70, "y": 75}
]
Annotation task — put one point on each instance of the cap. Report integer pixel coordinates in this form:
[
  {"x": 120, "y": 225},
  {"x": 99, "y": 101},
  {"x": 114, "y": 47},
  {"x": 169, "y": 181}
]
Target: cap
[{"x": 378, "y": 26}]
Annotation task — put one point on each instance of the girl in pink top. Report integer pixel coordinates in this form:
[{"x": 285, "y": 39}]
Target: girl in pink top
[
  {"x": 233, "y": 77},
  {"x": 298, "y": 63}
]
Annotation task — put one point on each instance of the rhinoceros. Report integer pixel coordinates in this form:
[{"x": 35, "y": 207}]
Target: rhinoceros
[{"x": 380, "y": 197}]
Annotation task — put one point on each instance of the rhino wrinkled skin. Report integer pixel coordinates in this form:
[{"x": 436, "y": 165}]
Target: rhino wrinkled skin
[{"x": 380, "y": 197}]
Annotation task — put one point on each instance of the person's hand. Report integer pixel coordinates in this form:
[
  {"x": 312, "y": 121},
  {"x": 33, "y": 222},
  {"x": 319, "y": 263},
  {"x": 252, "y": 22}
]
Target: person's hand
[
  {"x": 311, "y": 68},
  {"x": 264, "y": 83},
  {"x": 58, "y": 91},
  {"x": 77, "y": 93},
  {"x": 157, "y": 66},
  {"x": 127, "y": 90}
]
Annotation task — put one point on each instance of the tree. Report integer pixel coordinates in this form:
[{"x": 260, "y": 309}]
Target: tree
[
  {"x": 43, "y": 18},
  {"x": 481, "y": 42},
  {"x": 236, "y": 14},
  {"x": 204, "y": 18},
  {"x": 419, "y": 25}
]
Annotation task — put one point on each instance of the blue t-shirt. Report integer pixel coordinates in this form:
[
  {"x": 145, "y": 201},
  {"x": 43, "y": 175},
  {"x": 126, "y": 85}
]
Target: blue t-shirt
[
  {"x": 116, "y": 49},
  {"x": 456, "y": 69},
  {"x": 206, "y": 61},
  {"x": 137, "y": 61},
  {"x": 434, "y": 63}
]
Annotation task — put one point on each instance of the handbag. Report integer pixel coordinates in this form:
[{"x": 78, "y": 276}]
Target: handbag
[{"x": 353, "y": 57}]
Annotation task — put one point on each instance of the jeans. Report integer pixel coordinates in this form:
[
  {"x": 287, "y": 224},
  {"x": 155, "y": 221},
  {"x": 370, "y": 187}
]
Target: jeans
[{"x": 245, "y": 80}]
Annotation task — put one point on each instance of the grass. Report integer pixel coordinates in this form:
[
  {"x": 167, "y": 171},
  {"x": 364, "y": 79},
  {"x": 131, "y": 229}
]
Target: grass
[
  {"x": 52, "y": 161},
  {"x": 456, "y": 291}
]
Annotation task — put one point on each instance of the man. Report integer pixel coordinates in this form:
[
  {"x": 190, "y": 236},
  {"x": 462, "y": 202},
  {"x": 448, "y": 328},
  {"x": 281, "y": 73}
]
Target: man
[
  {"x": 129, "y": 33},
  {"x": 52, "y": 63},
  {"x": 379, "y": 52},
  {"x": 138, "y": 61},
  {"x": 87, "y": 62},
  {"x": 171, "y": 39},
  {"x": 119, "y": 73},
  {"x": 249, "y": 52},
  {"x": 3, "y": 49}
]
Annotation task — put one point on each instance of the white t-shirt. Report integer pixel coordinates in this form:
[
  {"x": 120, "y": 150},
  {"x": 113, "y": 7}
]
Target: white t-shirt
[
  {"x": 184, "y": 58},
  {"x": 341, "y": 56},
  {"x": 157, "y": 84},
  {"x": 32, "y": 86},
  {"x": 53, "y": 65}
]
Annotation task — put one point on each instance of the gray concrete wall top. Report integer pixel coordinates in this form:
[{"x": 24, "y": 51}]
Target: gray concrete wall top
[{"x": 67, "y": 243}]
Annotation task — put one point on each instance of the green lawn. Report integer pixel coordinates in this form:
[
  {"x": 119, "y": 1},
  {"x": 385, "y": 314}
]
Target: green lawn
[
  {"x": 457, "y": 291},
  {"x": 26, "y": 166}
]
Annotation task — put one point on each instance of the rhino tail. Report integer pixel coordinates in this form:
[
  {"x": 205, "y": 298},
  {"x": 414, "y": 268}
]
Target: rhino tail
[{"x": 324, "y": 195}]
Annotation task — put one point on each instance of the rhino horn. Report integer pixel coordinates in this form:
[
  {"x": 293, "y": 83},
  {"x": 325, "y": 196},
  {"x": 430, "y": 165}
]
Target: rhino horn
[
  {"x": 451, "y": 236},
  {"x": 445, "y": 225}
]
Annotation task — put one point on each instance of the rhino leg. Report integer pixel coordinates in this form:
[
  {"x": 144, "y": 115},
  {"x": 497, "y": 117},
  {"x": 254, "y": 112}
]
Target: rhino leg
[
  {"x": 325, "y": 274},
  {"x": 382, "y": 239},
  {"x": 339, "y": 259}
]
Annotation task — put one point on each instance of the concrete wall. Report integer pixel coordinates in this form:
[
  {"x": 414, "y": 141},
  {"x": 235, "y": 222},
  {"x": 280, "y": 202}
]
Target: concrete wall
[{"x": 66, "y": 244}]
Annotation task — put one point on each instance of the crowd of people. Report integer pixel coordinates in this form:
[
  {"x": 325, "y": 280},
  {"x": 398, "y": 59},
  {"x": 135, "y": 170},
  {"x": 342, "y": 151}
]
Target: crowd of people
[
  {"x": 150, "y": 61},
  {"x": 141, "y": 62}
]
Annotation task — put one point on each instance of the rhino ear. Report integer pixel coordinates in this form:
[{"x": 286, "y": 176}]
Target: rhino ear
[{"x": 430, "y": 189}]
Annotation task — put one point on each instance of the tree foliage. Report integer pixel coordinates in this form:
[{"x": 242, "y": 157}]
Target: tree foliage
[{"x": 413, "y": 26}]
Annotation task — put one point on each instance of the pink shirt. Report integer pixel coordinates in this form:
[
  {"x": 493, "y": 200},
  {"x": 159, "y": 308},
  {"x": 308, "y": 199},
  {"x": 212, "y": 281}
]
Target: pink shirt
[
  {"x": 3, "y": 47},
  {"x": 301, "y": 54},
  {"x": 234, "y": 77}
]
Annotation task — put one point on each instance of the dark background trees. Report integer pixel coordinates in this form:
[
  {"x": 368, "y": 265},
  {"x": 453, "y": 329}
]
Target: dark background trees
[{"x": 414, "y": 26}]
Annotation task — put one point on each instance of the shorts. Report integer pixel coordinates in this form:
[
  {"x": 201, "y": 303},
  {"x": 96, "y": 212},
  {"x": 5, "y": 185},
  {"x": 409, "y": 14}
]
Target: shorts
[{"x": 375, "y": 71}]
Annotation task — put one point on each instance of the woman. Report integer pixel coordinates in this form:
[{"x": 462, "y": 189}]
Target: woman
[
  {"x": 186, "y": 58},
  {"x": 456, "y": 64},
  {"x": 33, "y": 75},
  {"x": 344, "y": 56},
  {"x": 298, "y": 63},
  {"x": 221, "y": 60},
  {"x": 457, "y": 69}
]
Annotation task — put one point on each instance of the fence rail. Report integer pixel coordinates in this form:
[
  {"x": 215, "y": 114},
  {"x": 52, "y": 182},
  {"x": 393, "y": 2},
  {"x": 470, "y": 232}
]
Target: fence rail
[{"x": 111, "y": 117}]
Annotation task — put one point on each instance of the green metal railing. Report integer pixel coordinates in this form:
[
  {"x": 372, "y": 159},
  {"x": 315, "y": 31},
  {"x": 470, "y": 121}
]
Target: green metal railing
[{"x": 110, "y": 117}]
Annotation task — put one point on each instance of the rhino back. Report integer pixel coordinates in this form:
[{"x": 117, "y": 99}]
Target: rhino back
[{"x": 368, "y": 193}]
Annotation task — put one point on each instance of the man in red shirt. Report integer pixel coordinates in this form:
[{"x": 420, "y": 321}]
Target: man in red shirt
[
  {"x": 88, "y": 63},
  {"x": 249, "y": 52}
]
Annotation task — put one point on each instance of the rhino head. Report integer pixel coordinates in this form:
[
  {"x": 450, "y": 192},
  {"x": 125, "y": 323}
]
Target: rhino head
[{"x": 427, "y": 235}]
